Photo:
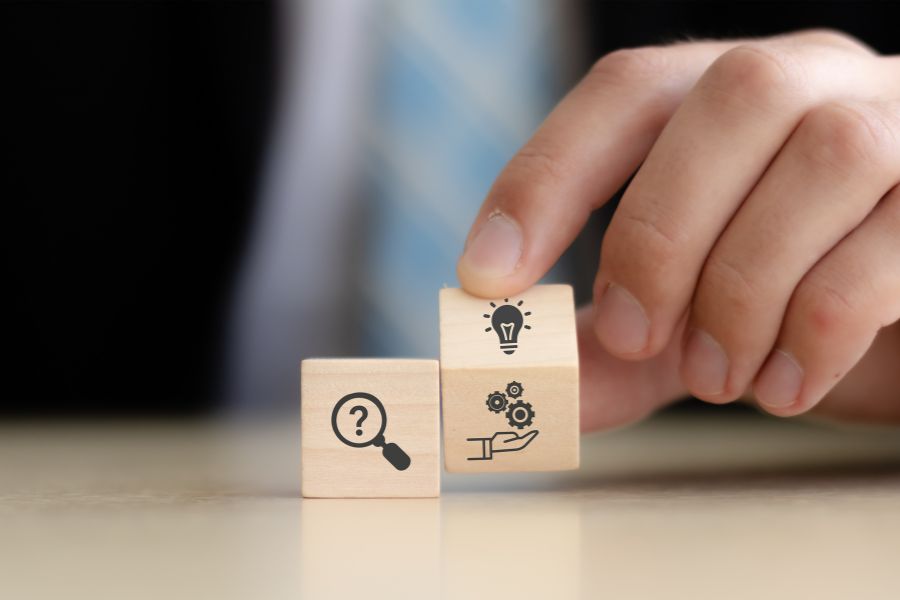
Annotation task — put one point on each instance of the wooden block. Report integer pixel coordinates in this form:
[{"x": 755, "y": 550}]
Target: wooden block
[
  {"x": 370, "y": 428},
  {"x": 509, "y": 381}
]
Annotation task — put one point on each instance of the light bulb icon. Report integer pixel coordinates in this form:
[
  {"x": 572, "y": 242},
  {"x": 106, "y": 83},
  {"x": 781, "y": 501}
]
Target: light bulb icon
[{"x": 507, "y": 321}]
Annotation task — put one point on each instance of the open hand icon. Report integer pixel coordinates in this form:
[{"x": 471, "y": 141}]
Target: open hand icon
[{"x": 502, "y": 441}]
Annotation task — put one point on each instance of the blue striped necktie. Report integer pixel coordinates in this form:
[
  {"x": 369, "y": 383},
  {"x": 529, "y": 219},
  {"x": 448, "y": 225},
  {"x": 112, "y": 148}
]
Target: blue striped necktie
[{"x": 458, "y": 86}]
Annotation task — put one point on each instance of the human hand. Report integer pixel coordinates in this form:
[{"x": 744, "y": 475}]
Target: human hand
[
  {"x": 502, "y": 441},
  {"x": 758, "y": 245}
]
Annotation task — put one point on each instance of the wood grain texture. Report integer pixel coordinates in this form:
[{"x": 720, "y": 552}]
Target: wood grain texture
[
  {"x": 409, "y": 393},
  {"x": 509, "y": 392}
]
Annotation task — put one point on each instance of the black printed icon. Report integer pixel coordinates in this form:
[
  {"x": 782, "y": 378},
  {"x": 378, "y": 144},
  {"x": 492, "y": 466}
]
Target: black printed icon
[
  {"x": 507, "y": 321},
  {"x": 519, "y": 414},
  {"x": 355, "y": 413},
  {"x": 502, "y": 441},
  {"x": 497, "y": 402}
]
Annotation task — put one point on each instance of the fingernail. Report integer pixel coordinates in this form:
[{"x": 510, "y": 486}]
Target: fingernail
[
  {"x": 495, "y": 250},
  {"x": 705, "y": 366},
  {"x": 621, "y": 322},
  {"x": 779, "y": 381}
]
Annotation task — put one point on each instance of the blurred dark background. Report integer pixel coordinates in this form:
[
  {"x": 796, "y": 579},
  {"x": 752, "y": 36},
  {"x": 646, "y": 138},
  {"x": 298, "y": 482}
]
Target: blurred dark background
[{"x": 134, "y": 134}]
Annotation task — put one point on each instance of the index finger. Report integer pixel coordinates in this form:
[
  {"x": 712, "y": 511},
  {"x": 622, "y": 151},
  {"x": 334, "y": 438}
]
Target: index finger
[{"x": 583, "y": 152}]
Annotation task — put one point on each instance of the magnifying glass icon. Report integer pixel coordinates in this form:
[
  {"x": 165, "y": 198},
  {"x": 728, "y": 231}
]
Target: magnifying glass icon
[{"x": 359, "y": 403}]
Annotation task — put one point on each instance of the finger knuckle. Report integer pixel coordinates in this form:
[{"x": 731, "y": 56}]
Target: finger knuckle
[
  {"x": 825, "y": 310},
  {"x": 631, "y": 65},
  {"x": 845, "y": 137},
  {"x": 641, "y": 243},
  {"x": 731, "y": 283},
  {"x": 832, "y": 37},
  {"x": 754, "y": 74},
  {"x": 532, "y": 168}
]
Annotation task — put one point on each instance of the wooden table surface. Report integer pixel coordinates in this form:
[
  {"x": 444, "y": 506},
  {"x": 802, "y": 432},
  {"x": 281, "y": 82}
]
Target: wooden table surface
[{"x": 678, "y": 507}]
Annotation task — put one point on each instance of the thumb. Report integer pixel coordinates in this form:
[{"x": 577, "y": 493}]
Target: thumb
[{"x": 617, "y": 392}]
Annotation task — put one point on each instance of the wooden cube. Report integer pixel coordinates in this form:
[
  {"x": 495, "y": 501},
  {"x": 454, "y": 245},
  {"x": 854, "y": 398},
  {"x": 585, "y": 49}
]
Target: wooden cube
[
  {"x": 509, "y": 381},
  {"x": 370, "y": 428}
]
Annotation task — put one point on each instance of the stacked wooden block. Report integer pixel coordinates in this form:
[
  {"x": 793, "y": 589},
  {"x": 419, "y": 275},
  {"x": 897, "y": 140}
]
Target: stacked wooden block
[{"x": 506, "y": 386}]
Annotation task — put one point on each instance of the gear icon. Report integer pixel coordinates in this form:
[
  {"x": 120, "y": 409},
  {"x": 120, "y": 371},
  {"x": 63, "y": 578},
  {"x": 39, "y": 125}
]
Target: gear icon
[
  {"x": 514, "y": 389},
  {"x": 496, "y": 402},
  {"x": 519, "y": 414}
]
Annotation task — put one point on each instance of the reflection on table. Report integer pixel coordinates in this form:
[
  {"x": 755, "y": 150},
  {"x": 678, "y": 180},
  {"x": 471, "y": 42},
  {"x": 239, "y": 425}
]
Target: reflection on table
[{"x": 743, "y": 507}]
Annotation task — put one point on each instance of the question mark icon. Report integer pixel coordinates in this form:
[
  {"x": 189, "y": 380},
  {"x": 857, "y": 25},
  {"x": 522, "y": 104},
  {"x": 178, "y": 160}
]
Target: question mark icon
[
  {"x": 363, "y": 416},
  {"x": 391, "y": 452}
]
